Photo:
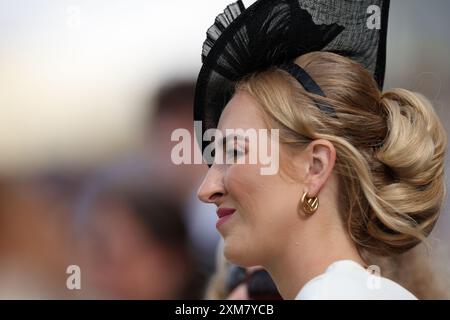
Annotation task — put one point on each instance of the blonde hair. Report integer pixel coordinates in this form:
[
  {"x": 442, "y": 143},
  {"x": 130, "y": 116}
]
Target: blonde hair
[{"x": 390, "y": 147}]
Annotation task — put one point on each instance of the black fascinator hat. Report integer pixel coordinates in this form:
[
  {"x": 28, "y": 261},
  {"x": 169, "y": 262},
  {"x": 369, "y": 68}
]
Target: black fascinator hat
[{"x": 273, "y": 33}]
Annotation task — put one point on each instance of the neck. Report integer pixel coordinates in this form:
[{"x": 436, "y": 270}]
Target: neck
[{"x": 308, "y": 254}]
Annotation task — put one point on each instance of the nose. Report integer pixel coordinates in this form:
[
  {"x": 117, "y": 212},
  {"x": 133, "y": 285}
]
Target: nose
[{"x": 212, "y": 189}]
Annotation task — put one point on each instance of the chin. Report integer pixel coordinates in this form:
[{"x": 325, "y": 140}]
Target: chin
[{"x": 236, "y": 251}]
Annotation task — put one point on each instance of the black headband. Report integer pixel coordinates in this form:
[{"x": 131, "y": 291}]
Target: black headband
[{"x": 309, "y": 84}]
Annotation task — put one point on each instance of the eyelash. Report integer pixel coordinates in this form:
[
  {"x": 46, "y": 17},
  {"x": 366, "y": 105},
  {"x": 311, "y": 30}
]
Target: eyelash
[{"x": 232, "y": 153}]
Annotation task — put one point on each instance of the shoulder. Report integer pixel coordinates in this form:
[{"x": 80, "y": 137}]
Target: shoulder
[{"x": 347, "y": 280}]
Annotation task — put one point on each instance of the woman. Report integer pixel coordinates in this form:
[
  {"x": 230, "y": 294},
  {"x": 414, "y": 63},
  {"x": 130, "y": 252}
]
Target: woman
[{"x": 361, "y": 170}]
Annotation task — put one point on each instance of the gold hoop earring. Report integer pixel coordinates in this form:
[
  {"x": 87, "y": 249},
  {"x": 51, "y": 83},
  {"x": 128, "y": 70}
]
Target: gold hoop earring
[{"x": 309, "y": 204}]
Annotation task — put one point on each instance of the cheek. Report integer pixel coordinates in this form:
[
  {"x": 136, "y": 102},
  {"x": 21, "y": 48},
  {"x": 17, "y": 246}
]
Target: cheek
[
  {"x": 266, "y": 212},
  {"x": 264, "y": 202},
  {"x": 245, "y": 187}
]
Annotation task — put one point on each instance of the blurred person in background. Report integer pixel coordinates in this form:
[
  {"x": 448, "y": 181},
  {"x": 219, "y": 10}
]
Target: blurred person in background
[
  {"x": 108, "y": 216},
  {"x": 171, "y": 108},
  {"x": 111, "y": 222},
  {"x": 252, "y": 283},
  {"x": 133, "y": 241},
  {"x": 36, "y": 246},
  {"x": 232, "y": 282}
]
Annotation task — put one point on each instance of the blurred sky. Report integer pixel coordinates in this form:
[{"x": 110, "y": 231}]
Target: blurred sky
[{"x": 74, "y": 73}]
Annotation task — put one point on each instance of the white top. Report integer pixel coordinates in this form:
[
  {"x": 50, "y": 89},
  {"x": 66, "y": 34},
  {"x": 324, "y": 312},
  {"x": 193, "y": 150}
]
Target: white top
[{"x": 348, "y": 280}]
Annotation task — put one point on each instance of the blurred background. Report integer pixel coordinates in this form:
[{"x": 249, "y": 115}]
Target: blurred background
[{"x": 90, "y": 92}]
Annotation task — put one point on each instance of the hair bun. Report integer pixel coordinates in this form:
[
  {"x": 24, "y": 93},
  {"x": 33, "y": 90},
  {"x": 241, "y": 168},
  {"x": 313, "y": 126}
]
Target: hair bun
[
  {"x": 414, "y": 152},
  {"x": 416, "y": 141}
]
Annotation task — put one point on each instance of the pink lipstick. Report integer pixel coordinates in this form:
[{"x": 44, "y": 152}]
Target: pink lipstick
[{"x": 224, "y": 214}]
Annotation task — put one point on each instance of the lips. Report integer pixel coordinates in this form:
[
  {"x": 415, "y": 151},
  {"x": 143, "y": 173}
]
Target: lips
[{"x": 224, "y": 214}]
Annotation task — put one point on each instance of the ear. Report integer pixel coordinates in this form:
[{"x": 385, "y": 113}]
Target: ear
[{"x": 320, "y": 158}]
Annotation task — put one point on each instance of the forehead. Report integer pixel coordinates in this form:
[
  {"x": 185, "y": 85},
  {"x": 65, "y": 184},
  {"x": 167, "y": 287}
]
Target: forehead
[{"x": 242, "y": 111}]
